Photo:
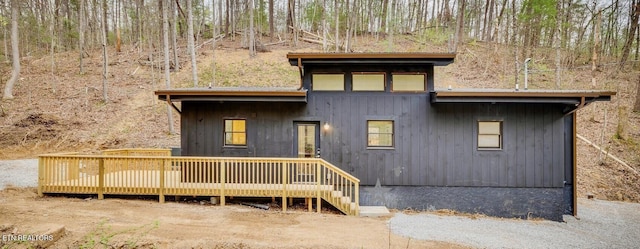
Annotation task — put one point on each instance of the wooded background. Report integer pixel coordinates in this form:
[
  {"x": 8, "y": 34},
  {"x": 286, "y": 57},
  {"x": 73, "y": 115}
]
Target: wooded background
[
  {"x": 573, "y": 33},
  {"x": 572, "y": 25}
]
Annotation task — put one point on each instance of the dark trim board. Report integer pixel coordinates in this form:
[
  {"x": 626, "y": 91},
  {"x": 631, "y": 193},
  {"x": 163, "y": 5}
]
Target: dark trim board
[{"x": 520, "y": 203}]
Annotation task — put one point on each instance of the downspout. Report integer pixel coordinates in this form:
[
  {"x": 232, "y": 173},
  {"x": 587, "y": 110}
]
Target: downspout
[
  {"x": 301, "y": 74},
  {"x": 574, "y": 177},
  {"x": 170, "y": 103},
  {"x": 582, "y": 104}
]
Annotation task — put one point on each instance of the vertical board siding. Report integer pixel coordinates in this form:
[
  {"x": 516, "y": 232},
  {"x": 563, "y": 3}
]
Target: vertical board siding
[{"x": 435, "y": 145}]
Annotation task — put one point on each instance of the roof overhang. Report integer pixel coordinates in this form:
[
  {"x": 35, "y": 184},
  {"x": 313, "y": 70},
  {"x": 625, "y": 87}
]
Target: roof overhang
[
  {"x": 436, "y": 59},
  {"x": 573, "y": 98},
  {"x": 233, "y": 94}
]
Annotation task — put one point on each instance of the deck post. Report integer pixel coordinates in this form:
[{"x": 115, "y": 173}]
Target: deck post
[
  {"x": 101, "y": 178},
  {"x": 284, "y": 186},
  {"x": 357, "y": 199},
  {"x": 40, "y": 176},
  {"x": 319, "y": 198},
  {"x": 161, "y": 190},
  {"x": 223, "y": 178}
]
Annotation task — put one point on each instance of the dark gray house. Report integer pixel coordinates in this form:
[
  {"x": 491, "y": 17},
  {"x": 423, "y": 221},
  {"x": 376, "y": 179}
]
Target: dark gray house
[{"x": 377, "y": 116}]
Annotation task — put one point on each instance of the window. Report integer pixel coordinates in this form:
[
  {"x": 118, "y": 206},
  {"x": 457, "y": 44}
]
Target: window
[
  {"x": 408, "y": 82},
  {"x": 235, "y": 132},
  {"x": 327, "y": 82},
  {"x": 380, "y": 133},
  {"x": 489, "y": 135},
  {"x": 368, "y": 82}
]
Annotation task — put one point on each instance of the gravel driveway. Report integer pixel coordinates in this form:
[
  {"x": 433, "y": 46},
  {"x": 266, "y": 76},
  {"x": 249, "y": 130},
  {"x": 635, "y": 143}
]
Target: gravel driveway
[
  {"x": 19, "y": 173},
  {"x": 601, "y": 224}
]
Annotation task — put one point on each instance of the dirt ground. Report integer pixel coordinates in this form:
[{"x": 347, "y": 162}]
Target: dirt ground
[{"x": 127, "y": 223}]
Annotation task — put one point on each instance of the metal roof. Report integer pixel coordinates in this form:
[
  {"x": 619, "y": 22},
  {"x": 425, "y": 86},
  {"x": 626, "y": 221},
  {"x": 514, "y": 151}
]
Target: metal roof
[
  {"x": 575, "y": 98},
  {"x": 244, "y": 94},
  {"x": 437, "y": 59}
]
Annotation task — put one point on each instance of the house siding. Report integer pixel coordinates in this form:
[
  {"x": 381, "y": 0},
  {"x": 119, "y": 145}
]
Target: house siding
[
  {"x": 434, "y": 144},
  {"x": 434, "y": 162}
]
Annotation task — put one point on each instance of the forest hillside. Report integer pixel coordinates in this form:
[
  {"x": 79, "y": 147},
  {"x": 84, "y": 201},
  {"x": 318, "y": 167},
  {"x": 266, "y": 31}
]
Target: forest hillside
[{"x": 74, "y": 94}]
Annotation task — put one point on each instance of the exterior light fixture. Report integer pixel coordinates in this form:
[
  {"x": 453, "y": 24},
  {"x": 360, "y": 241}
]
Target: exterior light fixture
[{"x": 326, "y": 126}]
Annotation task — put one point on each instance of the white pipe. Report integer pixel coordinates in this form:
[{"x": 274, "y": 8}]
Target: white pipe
[
  {"x": 526, "y": 73},
  {"x": 607, "y": 153}
]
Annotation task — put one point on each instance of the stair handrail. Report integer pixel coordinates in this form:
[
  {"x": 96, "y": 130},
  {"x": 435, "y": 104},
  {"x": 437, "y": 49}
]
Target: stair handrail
[{"x": 338, "y": 170}]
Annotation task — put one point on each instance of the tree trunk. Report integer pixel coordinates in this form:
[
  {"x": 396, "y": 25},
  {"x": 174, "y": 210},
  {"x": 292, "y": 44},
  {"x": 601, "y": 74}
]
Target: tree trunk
[
  {"x": 165, "y": 46},
  {"x": 15, "y": 52},
  {"x": 105, "y": 59},
  {"x": 105, "y": 24},
  {"x": 174, "y": 35},
  {"x": 325, "y": 31},
  {"x": 459, "y": 24},
  {"x": 81, "y": 35},
  {"x": 271, "y": 28},
  {"x": 213, "y": 50},
  {"x": 117, "y": 26},
  {"x": 636, "y": 107},
  {"x": 291, "y": 22},
  {"x": 556, "y": 43},
  {"x": 383, "y": 16},
  {"x": 596, "y": 45},
  {"x": 337, "y": 23},
  {"x": 631, "y": 33},
  {"x": 191, "y": 45},
  {"x": 252, "y": 36},
  {"x": 290, "y": 14},
  {"x": 227, "y": 17}
]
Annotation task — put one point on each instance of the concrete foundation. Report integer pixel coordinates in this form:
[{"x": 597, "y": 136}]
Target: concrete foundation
[{"x": 546, "y": 203}]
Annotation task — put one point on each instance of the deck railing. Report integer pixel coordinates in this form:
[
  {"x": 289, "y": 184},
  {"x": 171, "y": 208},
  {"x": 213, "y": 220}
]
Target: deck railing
[{"x": 153, "y": 172}]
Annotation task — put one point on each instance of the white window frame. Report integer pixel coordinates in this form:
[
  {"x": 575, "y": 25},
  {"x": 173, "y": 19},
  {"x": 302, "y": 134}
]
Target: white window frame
[{"x": 487, "y": 130}]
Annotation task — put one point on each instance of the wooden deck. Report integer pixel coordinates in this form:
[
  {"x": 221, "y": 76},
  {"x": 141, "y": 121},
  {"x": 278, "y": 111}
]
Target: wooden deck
[{"x": 149, "y": 172}]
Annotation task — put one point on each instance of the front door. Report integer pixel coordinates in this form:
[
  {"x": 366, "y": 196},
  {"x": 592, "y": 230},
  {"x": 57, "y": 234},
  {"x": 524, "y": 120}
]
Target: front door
[
  {"x": 307, "y": 145},
  {"x": 307, "y": 139}
]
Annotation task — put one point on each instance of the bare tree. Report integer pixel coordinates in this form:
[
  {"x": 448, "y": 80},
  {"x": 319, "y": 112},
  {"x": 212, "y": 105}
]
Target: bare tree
[
  {"x": 252, "y": 35},
  {"x": 105, "y": 59},
  {"x": 636, "y": 107},
  {"x": 596, "y": 44},
  {"x": 81, "y": 35},
  {"x": 631, "y": 33},
  {"x": 337, "y": 23},
  {"x": 459, "y": 24},
  {"x": 174, "y": 35},
  {"x": 271, "y": 28},
  {"x": 191, "y": 45},
  {"x": 165, "y": 46},
  {"x": 15, "y": 51},
  {"x": 117, "y": 25},
  {"x": 556, "y": 42}
]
